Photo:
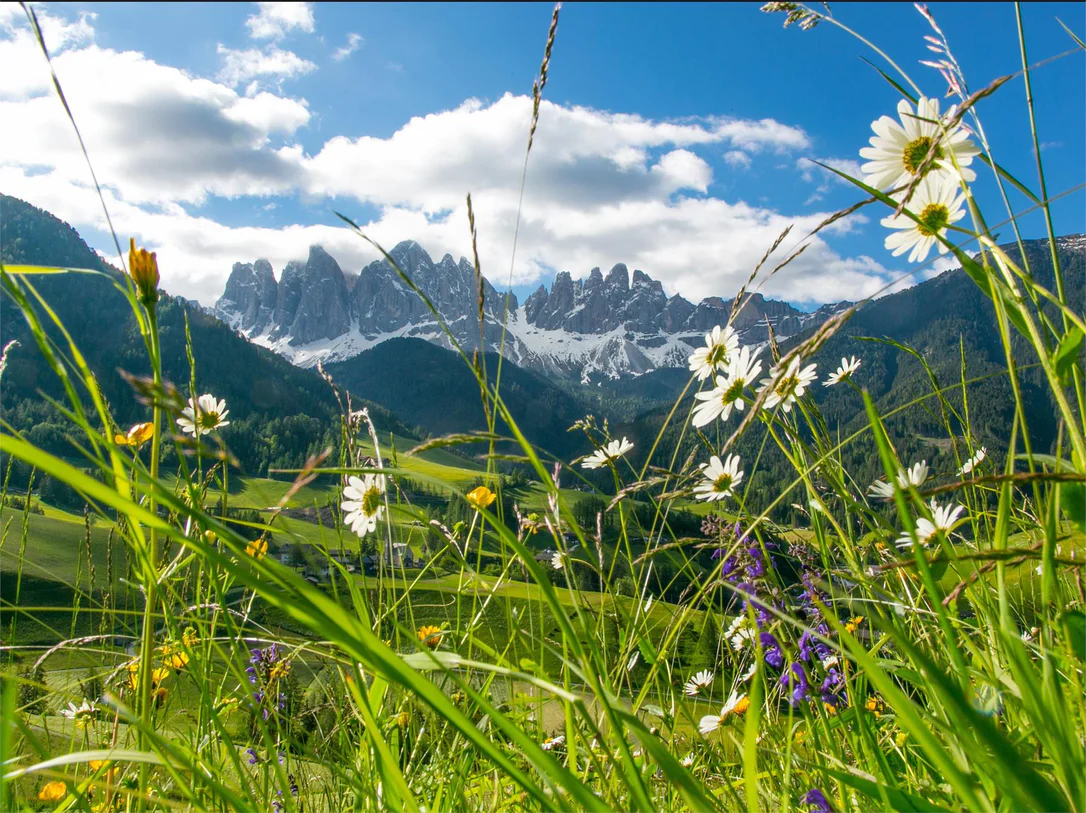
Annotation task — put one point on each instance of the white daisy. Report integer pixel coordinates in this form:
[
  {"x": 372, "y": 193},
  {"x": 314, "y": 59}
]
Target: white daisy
[
  {"x": 736, "y": 704},
  {"x": 882, "y": 490},
  {"x": 552, "y": 742},
  {"x": 558, "y": 560},
  {"x": 897, "y": 151},
  {"x": 737, "y": 622},
  {"x": 363, "y": 503},
  {"x": 847, "y": 368},
  {"x": 742, "y": 638},
  {"x": 720, "y": 344},
  {"x": 937, "y": 203},
  {"x": 944, "y": 518},
  {"x": 720, "y": 478},
  {"x": 747, "y": 675},
  {"x": 740, "y": 373},
  {"x": 204, "y": 415},
  {"x": 788, "y": 385},
  {"x": 974, "y": 461},
  {"x": 612, "y": 451},
  {"x": 687, "y": 761},
  {"x": 81, "y": 714},
  {"x": 913, "y": 476},
  {"x": 700, "y": 681}
]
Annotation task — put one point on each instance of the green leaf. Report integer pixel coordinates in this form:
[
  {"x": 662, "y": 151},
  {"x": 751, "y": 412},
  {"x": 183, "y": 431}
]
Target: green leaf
[
  {"x": 898, "y": 799},
  {"x": 1073, "y": 503},
  {"x": 1074, "y": 631},
  {"x": 1067, "y": 353},
  {"x": 25, "y": 270}
]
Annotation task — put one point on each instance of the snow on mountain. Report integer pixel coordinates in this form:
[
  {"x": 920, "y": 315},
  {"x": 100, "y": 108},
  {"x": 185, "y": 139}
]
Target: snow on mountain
[{"x": 585, "y": 329}]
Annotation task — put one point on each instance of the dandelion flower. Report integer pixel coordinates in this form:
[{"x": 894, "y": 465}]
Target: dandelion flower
[
  {"x": 430, "y": 636},
  {"x": 854, "y": 624},
  {"x": 736, "y": 704},
  {"x": 944, "y": 518},
  {"x": 480, "y": 497},
  {"x": 257, "y": 548},
  {"x": 53, "y": 791},
  {"x": 937, "y": 203},
  {"x": 363, "y": 503},
  {"x": 847, "y": 368},
  {"x": 204, "y": 415},
  {"x": 143, "y": 267},
  {"x": 897, "y": 151},
  {"x": 136, "y": 436},
  {"x": 720, "y": 344},
  {"x": 974, "y": 461},
  {"x": 787, "y": 385},
  {"x": 700, "y": 681},
  {"x": 740, "y": 373},
  {"x": 612, "y": 451},
  {"x": 552, "y": 742},
  {"x": 720, "y": 478}
]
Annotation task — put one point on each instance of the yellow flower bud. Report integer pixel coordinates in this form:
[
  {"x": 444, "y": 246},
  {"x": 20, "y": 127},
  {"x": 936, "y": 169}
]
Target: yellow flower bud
[{"x": 143, "y": 266}]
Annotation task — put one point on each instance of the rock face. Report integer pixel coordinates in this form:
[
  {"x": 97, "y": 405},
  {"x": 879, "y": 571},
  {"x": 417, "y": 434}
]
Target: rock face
[{"x": 602, "y": 325}]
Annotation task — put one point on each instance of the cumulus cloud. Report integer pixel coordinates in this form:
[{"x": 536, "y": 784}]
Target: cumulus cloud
[
  {"x": 241, "y": 67},
  {"x": 602, "y": 187},
  {"x": 274, "y": 21},
  {"x": 354, "y": 42}
]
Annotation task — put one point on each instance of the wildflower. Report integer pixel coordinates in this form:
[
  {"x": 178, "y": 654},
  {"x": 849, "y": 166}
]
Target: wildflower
[
  {"x": 829, "y": 708},
  {"x": 700, "y": 681},
  {"x": 786, "y": 385},
  {"x": 204, "y": 415},
  {"x": 189, "y": 638},
  {"x": 143, "y": 266},
  {"x": 612, "y": 451},
  {"x": 159, "y": 695},
  {"x": 817, "y": 801},
  {"x": 362, "y": 503},
  {"x": 740, "y": 373},
  {"x": 901, "y": 738},
  {"x": 402, "y": 719},
  {"x": 266, "y": 667},
  {"x": 53, "y": 791},
  {"x": 854, "y": 623},
  {"x": 882, "y": 490},
  {"x": 944, "y": 518},
  {"x": 875, "y": 705},
  {"x": 736, "y": 704},
  {"x": 175, "y": 658},
  {"x": 747, "y": 675},
  {"x": 937, "y": 203},
  {"x": 258, "y": 547},
  {"x": 742, "y": 638},
  {"x": 480, "y": 497},
  {"x": 719, "y": 346},
  {"x": 974, "y": 461},
  {"x": 82, "y": 714},
  {"x": 558, "y": 560},
  {"x": 253, "y": 757},
  {"x": 830, "y": 697},
  {"x": 897, "y": 151},
  {"x": 772, "y": 649},
  {"x": 796, "y": 679},
  {"x": 687, "y": 761},
  {"x": 847, "y": 368},
  {"x": 552, "y": 742},
  {"x": 430, "y": 636},
  {"x": 720, "y": 478},
  {"x": 913, "y": 476},
  {"x": 136, "y": 436},
  {"x": 733, "y": 628}
]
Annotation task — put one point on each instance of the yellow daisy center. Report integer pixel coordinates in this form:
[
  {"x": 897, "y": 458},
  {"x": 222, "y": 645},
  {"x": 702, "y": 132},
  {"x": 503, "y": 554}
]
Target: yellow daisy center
[
  {"x": 917, "y": 150},
  {"x": 733, "y": 392},
  {"x": 371, "y": 501},
  {"x": 722, "y": 483},
  {"x": 933, "y": 219},
  {"x": 209, "y": 420},
  {"x": 787, "y": 386},
  {"x": 718, "y": 354}
]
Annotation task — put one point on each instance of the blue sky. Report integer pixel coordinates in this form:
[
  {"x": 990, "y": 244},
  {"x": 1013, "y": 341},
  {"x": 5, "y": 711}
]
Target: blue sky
[{"x": 674, "y": 137}]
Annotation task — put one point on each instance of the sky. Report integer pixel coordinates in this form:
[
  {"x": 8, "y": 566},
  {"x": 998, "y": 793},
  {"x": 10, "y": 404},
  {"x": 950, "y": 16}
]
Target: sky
[{"x": 675, "y": 138}]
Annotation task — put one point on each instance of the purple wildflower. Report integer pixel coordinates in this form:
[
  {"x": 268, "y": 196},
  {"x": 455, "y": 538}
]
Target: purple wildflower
[
  {"x": 817, "y": 801},
  {"x": 796, "y": 678},
  {"x": 773, "y": 655},
  {"x": 829, "y": 687},
  {"x": 253, "y": 758}
]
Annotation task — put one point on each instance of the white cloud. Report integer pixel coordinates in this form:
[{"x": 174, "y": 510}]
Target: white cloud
[
  {"x": 240, "y": 67},
  {"x": 273, "y": 21},
  {"x": 602, "y": 187},
  {"x": 813, "y": 173},
  {"x": 354, "y": 42},
  {"x": 737, "y": 159}
]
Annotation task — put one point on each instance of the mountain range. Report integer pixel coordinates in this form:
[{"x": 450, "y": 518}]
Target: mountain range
[{"x": 590, "y": 329}]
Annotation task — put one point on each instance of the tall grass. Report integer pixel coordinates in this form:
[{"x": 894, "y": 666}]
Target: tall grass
[{"x": 868, "y": 676}]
